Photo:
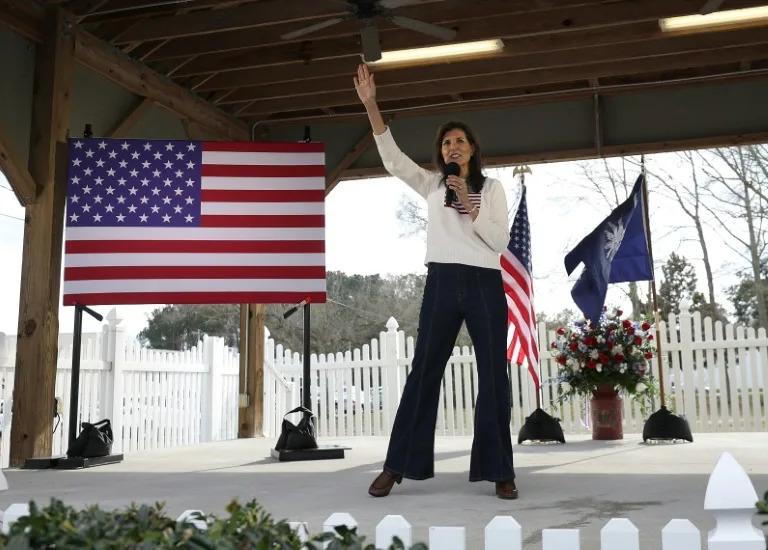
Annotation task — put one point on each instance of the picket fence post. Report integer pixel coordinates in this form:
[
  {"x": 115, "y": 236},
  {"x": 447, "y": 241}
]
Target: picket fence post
[
  {"x": 390, "y": 356},
  {"x": 680, "y": 534},
  {"x": 390, "y": 527},
  {"x": 213, "y": 358},
  {"x": 116, "y": 351},
  {"x": 732, "y": 497}
]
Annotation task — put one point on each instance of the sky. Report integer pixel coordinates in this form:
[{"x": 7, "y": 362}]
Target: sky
[{"x": 363, "y": 236}]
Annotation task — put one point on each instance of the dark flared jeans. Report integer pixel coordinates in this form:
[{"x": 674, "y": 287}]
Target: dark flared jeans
[{"x": 456, "y": 293}]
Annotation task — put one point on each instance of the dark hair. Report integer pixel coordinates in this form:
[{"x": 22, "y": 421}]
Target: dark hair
[{"x": 476, "y": 178}]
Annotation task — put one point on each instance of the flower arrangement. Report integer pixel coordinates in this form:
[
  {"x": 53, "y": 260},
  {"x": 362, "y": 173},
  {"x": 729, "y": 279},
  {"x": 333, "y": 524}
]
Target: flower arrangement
[{"x": 616, "y": 353}]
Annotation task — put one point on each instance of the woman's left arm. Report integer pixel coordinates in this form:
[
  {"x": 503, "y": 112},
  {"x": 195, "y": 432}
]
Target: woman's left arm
[{"x": 492, "y": 221}]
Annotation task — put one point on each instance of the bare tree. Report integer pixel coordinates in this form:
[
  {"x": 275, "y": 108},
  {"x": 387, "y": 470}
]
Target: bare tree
[
  {"x": 689, "y": 194},
  {"x": 738, "y": 181}
]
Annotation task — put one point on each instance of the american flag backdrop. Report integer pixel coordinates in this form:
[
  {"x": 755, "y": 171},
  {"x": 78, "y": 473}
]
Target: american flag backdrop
[
  {"x": 516, "y": 269},
  {"x": 155, "y": 222}
]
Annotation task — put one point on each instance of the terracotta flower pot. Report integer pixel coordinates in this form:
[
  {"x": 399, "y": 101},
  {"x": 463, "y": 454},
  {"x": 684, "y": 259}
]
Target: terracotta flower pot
[{"x": 606, "y": 413}]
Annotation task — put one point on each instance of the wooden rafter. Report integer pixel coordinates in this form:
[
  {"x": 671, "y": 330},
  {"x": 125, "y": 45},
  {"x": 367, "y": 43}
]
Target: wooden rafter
[
  {"x": 349, "y": 159},
  {"x": 131, "y": 117},
  {"x": 18, "y": 176},
  {"x": 578, "y": 18},
  {"x": 487, "y": 69},
  {"x": 519, "y": 79}
]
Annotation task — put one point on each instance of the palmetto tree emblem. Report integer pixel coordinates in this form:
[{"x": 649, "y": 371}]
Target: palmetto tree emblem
[{"x": 613, "y": 237}]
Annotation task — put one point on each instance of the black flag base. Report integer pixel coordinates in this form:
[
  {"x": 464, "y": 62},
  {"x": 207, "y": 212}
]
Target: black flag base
[
  {"x": 665, "y": 426},
  {"x": 541, "y": 428}
]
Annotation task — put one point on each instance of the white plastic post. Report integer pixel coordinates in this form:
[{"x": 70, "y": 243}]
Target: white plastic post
[
  {"x": 731, "y": 497},
  {"x": 301, "y": 528},
  {"x": 503, "y": 533},
  {"x": 13, "y": 513},
  {"x": 3, "y": 481},
  {"x": 187, "y": 515},
  {"x": 338, "y": 519},
  {"x": 447, "y": 538},
  {"x": 391, "y": 383},
  {"x": 560, "y": 539},
  {"x": 390, "y": 527},
  {"x": 680, "y": 534},
  {"x": 619, "y": 534}
]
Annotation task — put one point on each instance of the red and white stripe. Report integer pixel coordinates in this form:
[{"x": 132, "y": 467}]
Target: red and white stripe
[
  {"x": 522, "y": 341},
  {"x": 261, "y": 239}
]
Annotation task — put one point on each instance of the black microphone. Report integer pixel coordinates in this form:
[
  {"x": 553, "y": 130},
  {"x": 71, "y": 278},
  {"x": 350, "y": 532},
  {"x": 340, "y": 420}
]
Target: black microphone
[{"x": 451, "y": 169}]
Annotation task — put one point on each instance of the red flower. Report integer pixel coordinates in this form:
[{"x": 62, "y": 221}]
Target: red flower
[
  {"x": 626, "y": 323},
  {"x": 631, "y": 331},
  {"x": 646, "y": 326},
  {"x": 650, "y": 337},
  {"x": 619, "y": 312},
  {"x": 592, "y": 363},
  {"x": 561, "y": 331},
  {"x": 618, "y": 358},
  {"x": 609, "y": 345},
  {"x": 561, "y": 359},
  {"x": 573, "y": 346},
  {"x": 604, "y": 359},
  {"x": 638, "y": 340},
  {"x": 649, "y": 355}
]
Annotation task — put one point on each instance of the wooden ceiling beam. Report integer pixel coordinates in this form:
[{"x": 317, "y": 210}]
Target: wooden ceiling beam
[
  {"x": 517, "y": 79},
  {"x": 563, "y": 155},
  {"x": 134, "y": 77},
  {"x": 484, "y": 68},
  {"x": 451, "y": 14},
  {"x": 537, "y": 22},
  {"x": 18, "y": 176}
]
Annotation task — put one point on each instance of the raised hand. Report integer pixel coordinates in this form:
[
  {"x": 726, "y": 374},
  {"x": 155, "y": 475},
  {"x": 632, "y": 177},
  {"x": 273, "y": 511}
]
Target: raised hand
[{"x": 364, "y": 84}]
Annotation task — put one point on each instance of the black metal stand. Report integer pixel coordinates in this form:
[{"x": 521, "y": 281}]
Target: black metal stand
[
  {"x": 63, "y": 462},
  {"x": 322, "y": 452}
]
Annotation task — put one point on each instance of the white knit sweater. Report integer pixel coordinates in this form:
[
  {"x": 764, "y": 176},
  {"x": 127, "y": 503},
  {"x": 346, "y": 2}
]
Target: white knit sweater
[{"x": 452, "y": 236}]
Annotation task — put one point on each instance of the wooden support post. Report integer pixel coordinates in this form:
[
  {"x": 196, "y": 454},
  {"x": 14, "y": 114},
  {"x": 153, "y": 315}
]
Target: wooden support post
[
  {"x": 37, "y": 349},
  {"x": 252, "y": 416}
]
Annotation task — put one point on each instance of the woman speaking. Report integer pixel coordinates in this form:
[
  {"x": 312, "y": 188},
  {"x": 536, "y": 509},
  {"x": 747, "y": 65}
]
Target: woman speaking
[{"x": 467, "y": 231}]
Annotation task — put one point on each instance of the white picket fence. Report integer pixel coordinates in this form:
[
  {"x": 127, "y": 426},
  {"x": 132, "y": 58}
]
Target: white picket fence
[
  {"x": 715, "y": 374},
  {"x": 730, "y": 497},
  {"x": 356, "y": 393},
  {"x": 155, "y": 399}
]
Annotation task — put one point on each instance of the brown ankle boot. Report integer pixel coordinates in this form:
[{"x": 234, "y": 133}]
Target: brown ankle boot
[
  {"x": 506, "y": 489},
  {"x": 383, "y": 484}
]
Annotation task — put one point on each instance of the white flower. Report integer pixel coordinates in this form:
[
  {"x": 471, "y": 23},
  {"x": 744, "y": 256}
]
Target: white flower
[
  {"x": 623, "y": 368},
  {"x": 594, "y": 354},
  {"x": 565, "y": 386},
  {"x": 600, "y": 340},
  {"x": 571, "y": 362},
  {"x": 599, "y": 368},
  {"x": 640, "y": 387},
  {"x": 576, "y": 367},
  {"x": 617, "y": 350}
]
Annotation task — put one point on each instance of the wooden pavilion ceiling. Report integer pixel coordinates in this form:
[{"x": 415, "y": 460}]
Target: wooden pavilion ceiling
[{"x": 231, "y": 54}]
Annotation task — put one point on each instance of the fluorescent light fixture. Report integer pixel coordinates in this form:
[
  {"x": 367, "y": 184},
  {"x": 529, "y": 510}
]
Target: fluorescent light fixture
[
  {"x": 728, "y": 18},
  {"x": 446, "y": 52}
]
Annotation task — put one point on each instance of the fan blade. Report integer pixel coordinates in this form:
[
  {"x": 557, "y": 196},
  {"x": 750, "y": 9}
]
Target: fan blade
[
  {"x": 312, "y": 28},
  {"x": 711, "y": 6},
  {"x": 392, "y": 4},
  {"x": 422, "y": 27},
  {"x": 370, "y": 38}
]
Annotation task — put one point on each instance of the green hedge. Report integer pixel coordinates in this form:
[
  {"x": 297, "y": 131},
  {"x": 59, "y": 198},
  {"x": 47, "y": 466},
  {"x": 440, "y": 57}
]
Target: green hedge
[{"x": 247, "y": 527}]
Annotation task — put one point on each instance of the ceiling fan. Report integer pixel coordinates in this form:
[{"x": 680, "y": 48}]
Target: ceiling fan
[{"x": 366, "y": 11}]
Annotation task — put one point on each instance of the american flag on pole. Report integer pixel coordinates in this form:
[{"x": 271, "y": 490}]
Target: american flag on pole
[
  {"x": 516, "y": 269},
  {"x": 155, "y": 222}
]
